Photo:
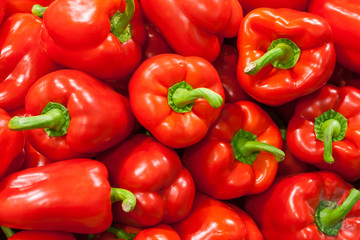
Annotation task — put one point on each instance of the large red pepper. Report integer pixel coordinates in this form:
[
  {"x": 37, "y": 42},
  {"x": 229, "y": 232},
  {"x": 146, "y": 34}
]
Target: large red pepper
[
  {"x": 317, "y": 205},
  {"x": 23, "y": 6},
  {"x": 22, "y": 61},
  {"x": 71, "y": 196},
  {"x": 72, "y": 114},
  {"x": 164, "y": 189},
  {"x": 11, "y": 146},
  {"x": 239, "y": 154},
  {"x": 200, "y": 25},
  {"x": 216, "y": 220},
  {"x": 249, "y": 5},
  {"x": 41, "y": 235},
  {"x": 343, "y": 17},
  {"x": 103, "y": 38},
  {"x": 284, "y": 54},
  {"x": 325, "y": 130},
  {"x": 176, "y": 98}
]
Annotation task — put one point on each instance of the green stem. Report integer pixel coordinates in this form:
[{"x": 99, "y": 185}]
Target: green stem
[
  {"x": 120, "y": 22},
  {"x": 330, "y": 128},
  {"x": 127, "y": 198},
  {"x": 54, "y": 118},
  {"x": 120, "y": 234},
  {"x": 38, "y": 10},
  {"x": 254, "y": 146},
  {"x": 7, "y": 231},
  {"x": 282, "y": 53},
  {"x": 328, "y": 215}
]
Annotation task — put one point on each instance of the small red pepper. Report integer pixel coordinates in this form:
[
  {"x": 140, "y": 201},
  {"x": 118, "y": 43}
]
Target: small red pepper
[
  {"x": 164, "y": 189},
  {"x": 284, "y": 54},
  {"x": 70, "y": 115},
  {"x": 103, "y": 38},
  {"x": 239, "y": 155},
  {"x": 216, "y": 220},
  {"x": 22, "y": 61},
  {"x": 176, "y": 98},
  {"x": 71, "y": 196},
  {"x": 200, "y": 25},
  {"x": 315, "y": 205},
  {"x": 341, "y": 14},
  {"x": 324, "y": 130},
  {"x": 249, "y": 5},
  {"x": 162, "y": 231}
]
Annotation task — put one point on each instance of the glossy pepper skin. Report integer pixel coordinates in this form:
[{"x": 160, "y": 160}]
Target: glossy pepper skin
[
  {"x": 22, "y": 61},
  {"x": 11, "y": 146},
  {"x": 216, "y": 220},
  {"x": 283, "y": 54},
  {"x": 23, "y": 6},
  {"x": 84, "y": 124},
  {"x": 153, "y": 172},
  {"x": 287, "y": 209},
  {"x": 159, "y": 232},
  {"x": 239, "y": 155},
  {"x": 176, "y": 98},
  {"x": 42, "y": 235},
  {"x": 324, "y": 130},
  {"x": 341, "y": 14},
  {"x": 200, "y": 25},
  {"x": 93, "y": 36},
  {"x": 70, "y": 196},
  {"x": 249, "y": 5}
]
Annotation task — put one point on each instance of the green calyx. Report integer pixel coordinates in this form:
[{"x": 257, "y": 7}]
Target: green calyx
[
  {"x": 7, "y": 231},
  {"x": 38, "y": 10},
  {"x": 120, "y": 22},
  {"x": 127, "y": 198},
  {"x": 282, "y": 53},
  {"x": 55, "y": 120},
  {"x": 181, "y": 97},
  {"x": 329, "y": 216},
  {"x": 329, "y": 127},
  {"x": 247, "y": 148},
  {"x": 121, "y": 234}
]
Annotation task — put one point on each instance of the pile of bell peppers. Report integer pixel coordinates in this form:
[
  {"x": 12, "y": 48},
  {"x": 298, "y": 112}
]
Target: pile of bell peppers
[{"x": 179, "y": 120}]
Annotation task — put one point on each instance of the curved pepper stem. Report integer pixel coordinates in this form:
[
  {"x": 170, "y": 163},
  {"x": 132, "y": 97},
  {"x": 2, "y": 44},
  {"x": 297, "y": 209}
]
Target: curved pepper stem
[
  {"x": 330, "y": 126},
  {"x": 246, "y": 147},
  {"x": 120, "y": 22},
  {"x": 7, "y": 231},
  {"x": 121, "y": 234},
  {"x": 181, "y": 97},
  {"x": 54, "y": 119},
  {"x": 127, "y": 198},
  {"x": 38, "y": 10},
  {"x": 329, "y": 216},
  {"x": 282, "y": 53}
]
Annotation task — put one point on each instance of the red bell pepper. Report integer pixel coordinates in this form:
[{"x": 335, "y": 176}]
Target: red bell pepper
[
  {"x": 194, "y": 28},
  {"x": 2, "y": 9},
  {"x": 22, "y": 61},
  {"x": 249, "y": 5},
  {"x": 226, "y": 65},
  {"x": 216, "y": 220},
  {"x": 324, "y": 130},
  {"x": 70, "y": 115},
  {"x": 161, "y": 232},
  {"x": 23, "y": 6},
  {"x": 299, "y": 46},
  {"x": 103, "y": 38},
  {"x": 343, "y": 17},
  {"x": 11, "y": 146},
  {"x": 239, "y": 155},
  {"x": 317, "y": 205},
  {"x": 176, "y": 98},
  {"x": 164, "y": 189},
  {"x": 42, "y": 235},
  {"x": 71, "y": 196}
]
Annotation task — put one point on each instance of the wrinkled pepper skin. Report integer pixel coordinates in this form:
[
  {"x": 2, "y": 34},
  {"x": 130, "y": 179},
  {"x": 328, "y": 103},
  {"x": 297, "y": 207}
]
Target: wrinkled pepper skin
[
  {"x": 214, "y": 164},
  {"x": 88, "y": 42},
  {"x": 297, "y": 72},
  {"x": 41, "y": 235},
  {"x": 153, "y": 172},
  {"x": 216, "y": 220},
  {"x": 200, "y": 25},
  {"x": 286, "y": 210},
  {"x": 249, "y": 5},
  {"x": 70, "y": 196},
  {"x": 340, "y": 14},
  {"x": 93, "y": 125},
  {"x": 149, "y": 90},
  {"x": 306, "y": 146},
  {"x": 22, "y": 61},
  {"x": 23, "y": 6},
  {"x": 11, "y": 146}
]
